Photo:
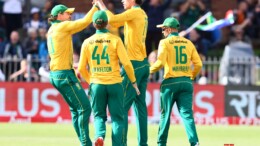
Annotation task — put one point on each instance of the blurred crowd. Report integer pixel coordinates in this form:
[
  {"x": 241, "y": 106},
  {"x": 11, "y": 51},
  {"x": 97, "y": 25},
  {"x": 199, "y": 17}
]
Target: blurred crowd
[
  {"x": 243, "y": 31},
  {"x": 20, "y": 37}
]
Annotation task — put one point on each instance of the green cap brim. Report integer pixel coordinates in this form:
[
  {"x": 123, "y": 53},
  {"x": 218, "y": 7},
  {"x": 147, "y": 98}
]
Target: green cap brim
[{"x": 70, "y": 10}]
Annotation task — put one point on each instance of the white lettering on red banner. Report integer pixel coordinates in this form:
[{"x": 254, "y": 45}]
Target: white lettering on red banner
[{"x": 212, "y": 104}]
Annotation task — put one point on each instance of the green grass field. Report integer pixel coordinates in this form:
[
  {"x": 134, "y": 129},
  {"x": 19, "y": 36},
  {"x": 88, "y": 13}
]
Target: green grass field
[{"x": 64, "y": 135}]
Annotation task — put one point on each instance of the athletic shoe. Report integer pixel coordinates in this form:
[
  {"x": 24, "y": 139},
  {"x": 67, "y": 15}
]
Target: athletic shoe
[
  {"x": 99, "y": 141},
  {"x": 194, "y": 144}
]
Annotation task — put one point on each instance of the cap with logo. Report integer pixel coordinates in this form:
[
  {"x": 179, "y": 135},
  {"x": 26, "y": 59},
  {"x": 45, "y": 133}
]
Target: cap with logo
[
  {"x": 61, "y": 9},
  {"x": 99, "y": 17},
  {"x": 170, "y": 22}
]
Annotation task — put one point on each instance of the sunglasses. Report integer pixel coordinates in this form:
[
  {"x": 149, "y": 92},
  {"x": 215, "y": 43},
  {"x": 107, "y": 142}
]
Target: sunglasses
[{"x": 164, "y": 28}]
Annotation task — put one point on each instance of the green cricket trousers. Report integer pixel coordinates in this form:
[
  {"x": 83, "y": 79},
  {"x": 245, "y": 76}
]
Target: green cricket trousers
[
  {"x": 111, "y": 95},
  {"x": 177, "y": 90},
  {"x": 66, "y": 82},
  {"x": 141, "y": 69}
]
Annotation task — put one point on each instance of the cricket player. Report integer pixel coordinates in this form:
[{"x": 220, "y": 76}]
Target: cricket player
[
  {"x": 176, "y": 54},
  {"x": 102, "y": 53},
  {"x": 134, "y": 20},
  {"x": 62, "y": 75}
]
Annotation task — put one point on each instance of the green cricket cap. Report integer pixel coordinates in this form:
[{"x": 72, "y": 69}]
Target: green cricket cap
[
  {"x": 170, "y": 22},
  {"x": 61, "y": 9},
  {"x": 99, "y": 17}
]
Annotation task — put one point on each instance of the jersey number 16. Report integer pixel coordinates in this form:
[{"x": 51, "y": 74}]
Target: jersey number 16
[{"x": 181, "y": 57}]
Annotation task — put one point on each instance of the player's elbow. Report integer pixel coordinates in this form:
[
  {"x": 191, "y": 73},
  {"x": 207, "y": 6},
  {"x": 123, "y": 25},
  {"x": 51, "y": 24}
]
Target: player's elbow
[
  {"x": 199, "y": 65},
  {"x": 127, "y": 65}
]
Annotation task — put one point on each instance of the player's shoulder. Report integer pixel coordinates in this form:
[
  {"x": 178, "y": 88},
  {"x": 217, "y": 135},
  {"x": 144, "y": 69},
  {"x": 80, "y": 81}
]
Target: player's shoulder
[
  {"x": 186, "y": 40},
  {"x": 61, "y": 25},
  {"x": 136, "y": 10},
  {"x": 174, "y": 40},
  {"x": 163, "y": 40},
  {"x": 112, "y": 37},
  {"x": 64, "y": 23},
  {"x": 141, "y": 10},
  {"x": 89, "y": 40},
  {"x": 50, "y": 30},
  {"x": 183, "y": 38},
  {"x": 179, "y": 38}
]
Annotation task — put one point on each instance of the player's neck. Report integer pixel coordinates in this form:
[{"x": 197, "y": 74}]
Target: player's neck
[{"x": 135, "y": 6}]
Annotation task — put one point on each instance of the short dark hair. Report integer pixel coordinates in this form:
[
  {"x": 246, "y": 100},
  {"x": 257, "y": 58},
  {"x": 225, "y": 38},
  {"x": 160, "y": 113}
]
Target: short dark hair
[
  {"x": 101, "y": 25},
  {"x": 139, "y": 2}
]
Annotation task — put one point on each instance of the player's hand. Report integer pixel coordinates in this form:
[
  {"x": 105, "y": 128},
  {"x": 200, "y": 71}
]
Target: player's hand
[
  {"x": 101, "y": 5},
  {"x": 136, "y": 89},
  {"x": 93, "y": 2}
]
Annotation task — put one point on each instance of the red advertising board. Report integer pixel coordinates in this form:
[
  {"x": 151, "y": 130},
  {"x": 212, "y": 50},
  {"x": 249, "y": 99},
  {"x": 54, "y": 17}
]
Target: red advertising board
[
  {"x": 40, "y": 102},
  {"x": 209, "y": 104},
  {"x": 32, "y": 102}
]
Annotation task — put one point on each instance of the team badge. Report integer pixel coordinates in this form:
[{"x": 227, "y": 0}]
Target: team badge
[{"x": 91, "y": 42}]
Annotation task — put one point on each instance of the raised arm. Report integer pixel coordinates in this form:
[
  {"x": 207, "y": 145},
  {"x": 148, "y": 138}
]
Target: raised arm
[
  {"x": 112, "y": 19},
  {"x": 78, "y": 25},
  {"x": 118, "y": 19}
]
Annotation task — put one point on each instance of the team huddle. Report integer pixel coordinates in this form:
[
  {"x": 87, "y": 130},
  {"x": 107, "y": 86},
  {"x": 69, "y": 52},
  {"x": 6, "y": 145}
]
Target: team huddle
[{"x": 99, "y": 65}]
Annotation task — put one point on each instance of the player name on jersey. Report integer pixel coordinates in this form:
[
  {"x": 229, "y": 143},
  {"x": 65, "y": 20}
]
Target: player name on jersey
[
  {"x": 102, "y": 41},
  {"x": 180, "y": 68},
  {"x": 101, "y": 69},
  {"x": 177, "y": 41}
]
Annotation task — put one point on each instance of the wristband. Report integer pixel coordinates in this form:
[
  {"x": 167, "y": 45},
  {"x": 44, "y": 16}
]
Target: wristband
[
  {"x": 96, "y": 6},
  {"x": 133, "y": 82}
]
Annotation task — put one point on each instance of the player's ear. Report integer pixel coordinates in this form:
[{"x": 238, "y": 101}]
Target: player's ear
[{"x": 59, "y": 16}]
